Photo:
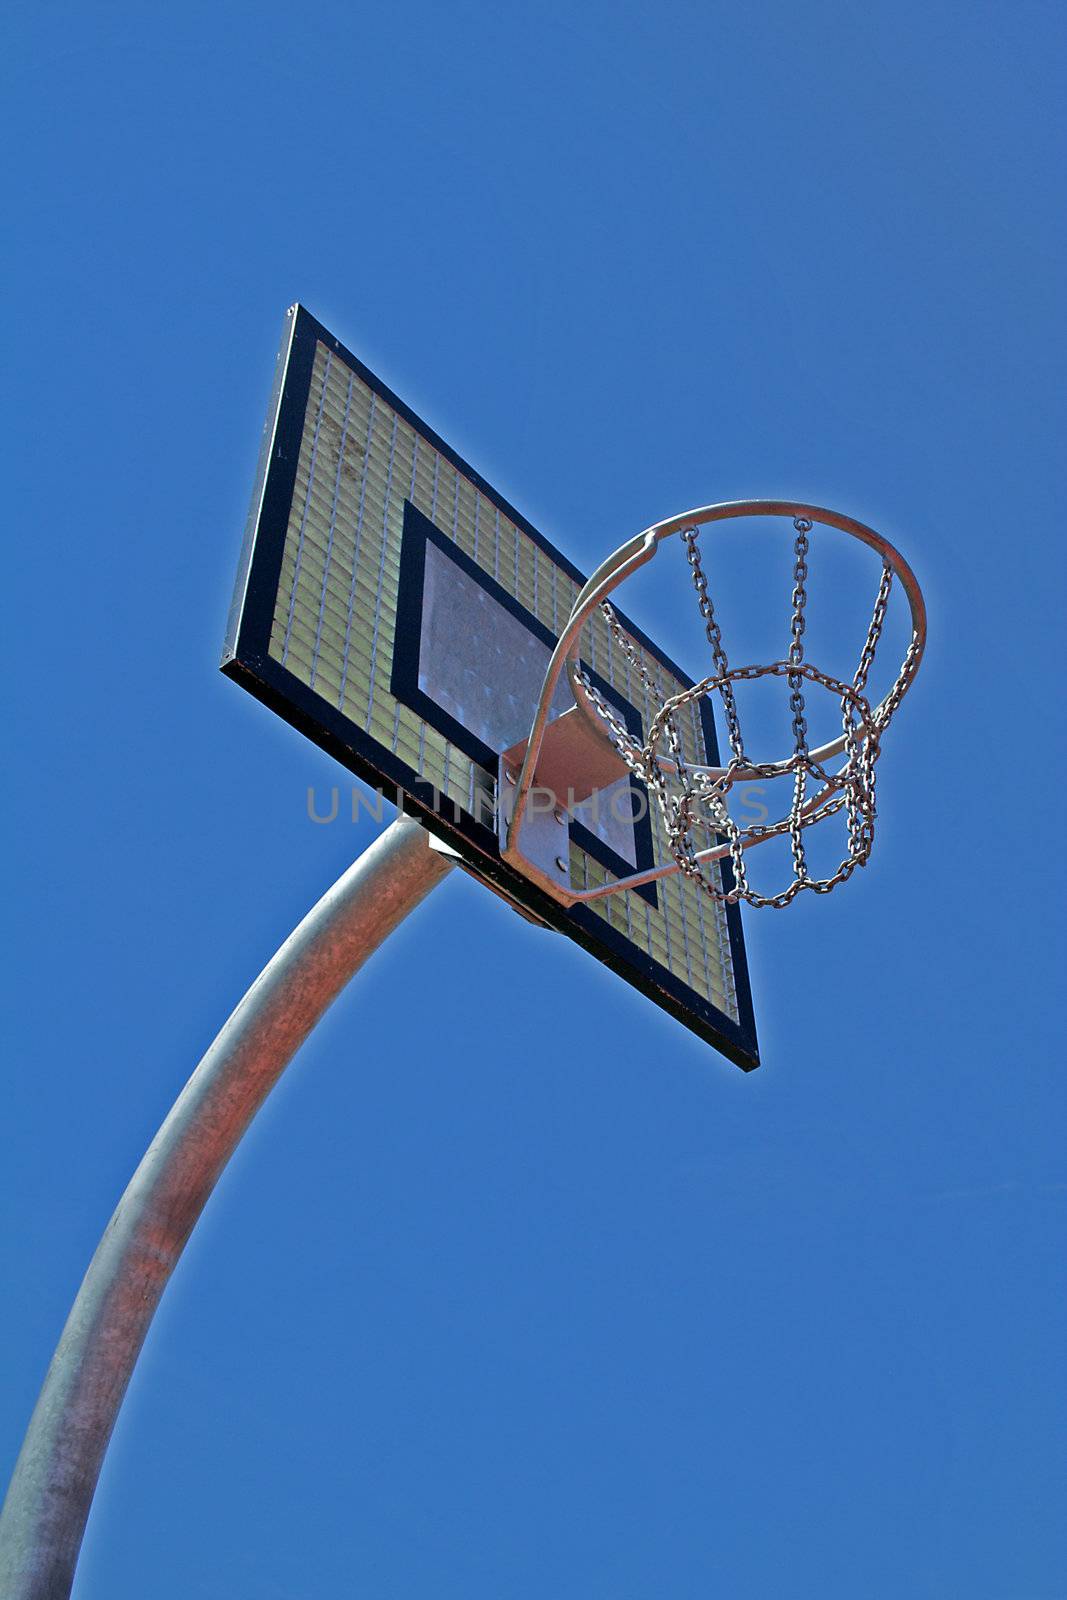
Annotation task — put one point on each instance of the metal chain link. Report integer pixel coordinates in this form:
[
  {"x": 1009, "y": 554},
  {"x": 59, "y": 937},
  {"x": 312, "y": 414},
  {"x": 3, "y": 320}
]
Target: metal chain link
[
  {"x": 874, "y": 632},
  {"x": 855, "y": 780},
  {"x": 689, "y": 799},
  {"x": 628, "y": 747},
  {"x": 802, "y": 525},
  {"x": 900, "y": 688},
  {"x": 677, "y": 812},
  {"x": 714, "y": 637}
]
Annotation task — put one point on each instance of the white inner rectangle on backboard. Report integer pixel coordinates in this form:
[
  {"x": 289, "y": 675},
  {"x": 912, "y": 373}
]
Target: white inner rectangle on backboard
[{"x": 481, "y": 664}]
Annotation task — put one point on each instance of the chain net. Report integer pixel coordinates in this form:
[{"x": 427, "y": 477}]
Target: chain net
[{"x": 693, "y": 802}]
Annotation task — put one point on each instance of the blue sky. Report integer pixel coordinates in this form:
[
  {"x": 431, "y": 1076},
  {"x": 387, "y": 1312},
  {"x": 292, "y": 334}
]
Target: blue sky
[{"x": 515, "y": 1289}]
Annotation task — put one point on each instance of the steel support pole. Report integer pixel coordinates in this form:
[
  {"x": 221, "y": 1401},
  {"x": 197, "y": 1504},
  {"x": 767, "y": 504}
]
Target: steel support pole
[{"x": 48, "y": 1502}]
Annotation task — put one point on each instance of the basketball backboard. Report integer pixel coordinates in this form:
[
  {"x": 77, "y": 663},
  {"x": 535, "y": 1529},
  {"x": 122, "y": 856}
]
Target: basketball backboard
[{"x": 393, "y": 607}]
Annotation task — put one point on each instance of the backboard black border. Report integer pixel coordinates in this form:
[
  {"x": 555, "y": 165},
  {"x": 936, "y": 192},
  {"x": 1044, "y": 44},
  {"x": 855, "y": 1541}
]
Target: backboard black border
[{"x": 246, "y": 659}]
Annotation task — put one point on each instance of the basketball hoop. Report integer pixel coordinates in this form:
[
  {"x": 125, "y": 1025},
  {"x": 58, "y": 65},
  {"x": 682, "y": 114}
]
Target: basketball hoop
[{"x": 692, "y": 799}]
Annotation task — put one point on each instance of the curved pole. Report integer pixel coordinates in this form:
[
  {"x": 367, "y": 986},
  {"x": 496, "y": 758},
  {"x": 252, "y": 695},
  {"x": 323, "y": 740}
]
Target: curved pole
[{"x": 55, "y": 1476}]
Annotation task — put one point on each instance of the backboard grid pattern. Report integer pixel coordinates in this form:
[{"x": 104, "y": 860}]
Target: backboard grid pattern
[{"x": 335, "y": 618}]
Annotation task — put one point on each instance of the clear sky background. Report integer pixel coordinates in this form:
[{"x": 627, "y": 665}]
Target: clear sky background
[{"x": 516, "y": 1291}]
